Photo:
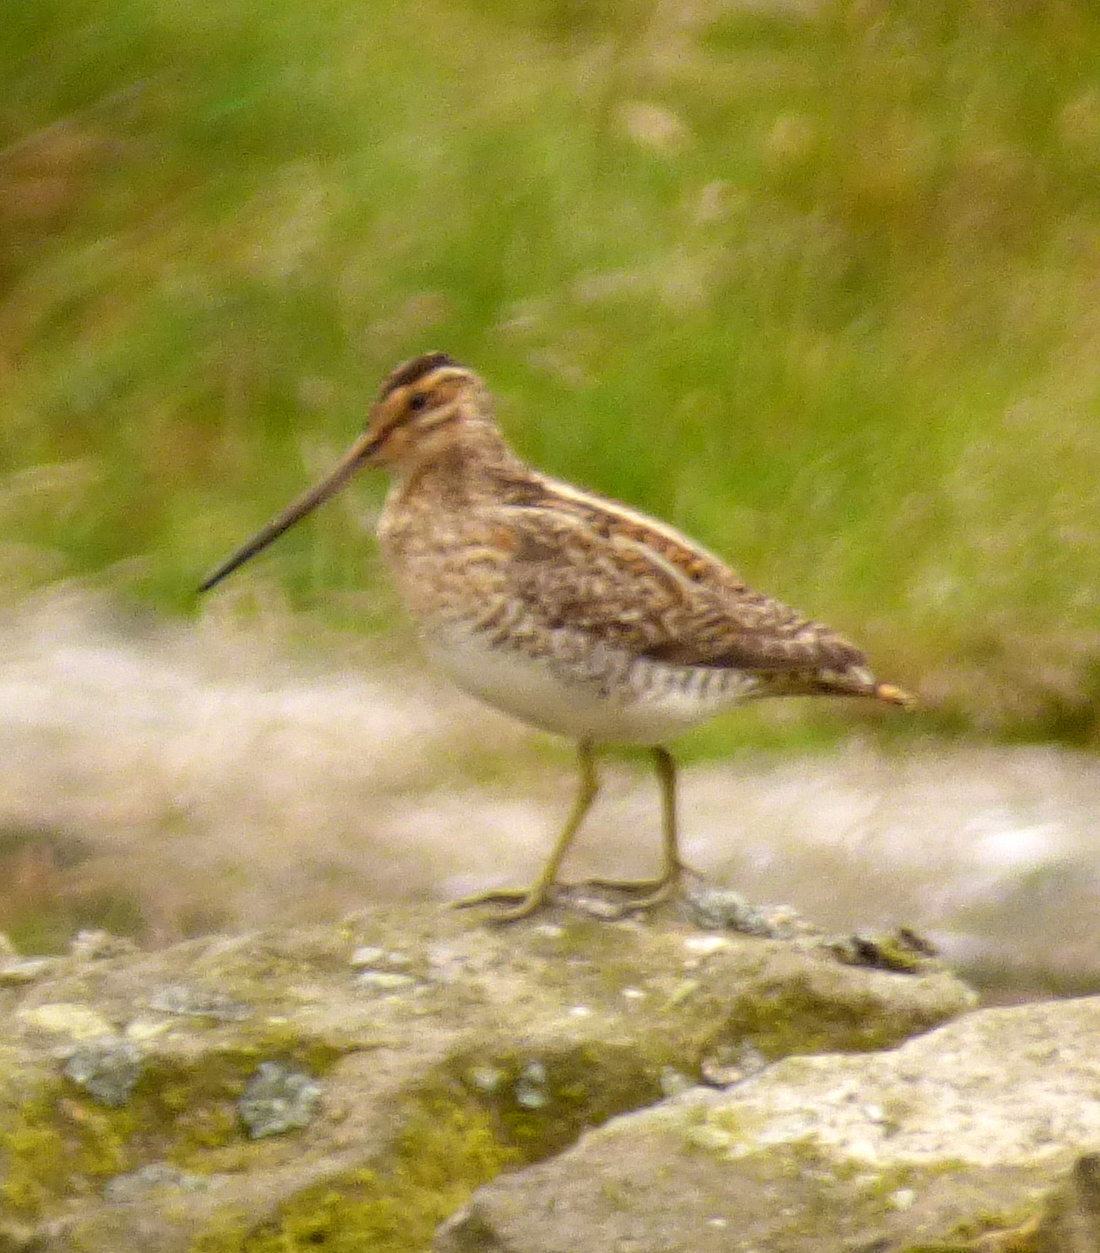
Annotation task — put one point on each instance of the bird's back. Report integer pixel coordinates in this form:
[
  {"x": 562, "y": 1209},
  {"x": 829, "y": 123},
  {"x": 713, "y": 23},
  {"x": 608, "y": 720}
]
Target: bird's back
[{"x": 579, "y": 614}]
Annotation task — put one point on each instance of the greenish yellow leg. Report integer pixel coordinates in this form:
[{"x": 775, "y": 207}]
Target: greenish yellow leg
[
  {"x": 661, "y": 888},
  {"x": 532, "y": 898}
]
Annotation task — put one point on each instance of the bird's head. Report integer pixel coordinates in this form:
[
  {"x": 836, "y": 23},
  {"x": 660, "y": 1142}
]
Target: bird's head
[
  {"x": 417, "y": 415},
  {"x": 420, "y": 407}
]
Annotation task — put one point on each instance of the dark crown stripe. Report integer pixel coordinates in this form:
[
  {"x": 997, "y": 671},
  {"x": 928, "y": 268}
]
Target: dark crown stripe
[{"x": 414, "y": 370}]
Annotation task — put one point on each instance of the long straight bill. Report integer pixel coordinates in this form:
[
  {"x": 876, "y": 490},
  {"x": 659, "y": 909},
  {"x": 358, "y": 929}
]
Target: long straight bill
[{"x": 306, "y": 503}]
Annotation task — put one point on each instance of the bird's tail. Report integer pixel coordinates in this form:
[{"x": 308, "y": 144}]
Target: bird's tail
[
  {"x": 894, "y": 695},
  {"x": 859, "y": 681}
]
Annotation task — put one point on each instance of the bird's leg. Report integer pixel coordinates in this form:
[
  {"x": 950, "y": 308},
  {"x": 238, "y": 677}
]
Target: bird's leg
[
  {"x": 530, "y": 899},
  {"x": 661, "y": 888}
]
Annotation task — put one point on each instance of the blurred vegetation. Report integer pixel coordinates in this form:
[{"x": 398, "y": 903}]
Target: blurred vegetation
[{"x": 817, "y": 281}]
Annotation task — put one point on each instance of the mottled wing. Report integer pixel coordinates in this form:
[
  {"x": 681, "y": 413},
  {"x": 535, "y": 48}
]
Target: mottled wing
[{"x": 583, "y": 563}]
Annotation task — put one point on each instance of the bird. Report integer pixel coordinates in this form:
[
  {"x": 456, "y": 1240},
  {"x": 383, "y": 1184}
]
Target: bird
[{"x": 567, "y": 610}]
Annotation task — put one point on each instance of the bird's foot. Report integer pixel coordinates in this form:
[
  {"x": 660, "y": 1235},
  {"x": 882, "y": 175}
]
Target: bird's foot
[
  {"x": 649, "y": 892},
  {"x": 523, "y": 902},
  {"x": 643, "y": 892}
]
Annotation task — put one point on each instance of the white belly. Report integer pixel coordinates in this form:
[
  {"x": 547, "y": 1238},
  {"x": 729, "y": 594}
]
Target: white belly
[{"x": 533, "y": 690}]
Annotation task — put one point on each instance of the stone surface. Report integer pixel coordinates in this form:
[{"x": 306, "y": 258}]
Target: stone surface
[
  {"x": 493, "y": 1049},
  {"x": 949, "y": 1142}
]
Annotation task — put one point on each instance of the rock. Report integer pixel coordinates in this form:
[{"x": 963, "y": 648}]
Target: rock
[
  {"x": 24, "y": 970},
  {"x": 69, "y": 1022},
  {"x": 179, "y": 998},
  {"x": 136, "y": 1186},
  {"x": 96, "y": 943},
  {"x": 277, "y": 1099},
  {"x": 950, "y": 1142},
  {"x": 107, "y": 1070},
  {"x": 1070, "y": 1221},
  {"x": 326, "y": 1108}
]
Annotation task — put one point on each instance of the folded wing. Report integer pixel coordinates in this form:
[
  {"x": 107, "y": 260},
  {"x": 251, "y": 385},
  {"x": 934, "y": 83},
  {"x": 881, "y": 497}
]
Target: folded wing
[{"x": 599, "y": 568}]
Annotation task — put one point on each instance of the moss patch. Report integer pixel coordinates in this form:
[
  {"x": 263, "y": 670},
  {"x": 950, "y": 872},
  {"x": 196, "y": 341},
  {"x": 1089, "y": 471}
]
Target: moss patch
[
  {"x": 58, "y": 1147},
  {"x": 799, "y": 1017},
  {"x": 541, "y": 1105},
  {"x": 442, "y": 1155}
]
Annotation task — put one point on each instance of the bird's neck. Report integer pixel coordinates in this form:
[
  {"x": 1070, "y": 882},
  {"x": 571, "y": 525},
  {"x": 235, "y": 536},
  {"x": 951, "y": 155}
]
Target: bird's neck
[{"x": 467, "y": 466}]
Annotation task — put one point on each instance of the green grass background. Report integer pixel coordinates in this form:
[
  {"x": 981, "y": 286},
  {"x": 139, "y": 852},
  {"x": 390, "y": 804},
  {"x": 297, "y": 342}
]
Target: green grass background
[{"x": 817, "y": 281}]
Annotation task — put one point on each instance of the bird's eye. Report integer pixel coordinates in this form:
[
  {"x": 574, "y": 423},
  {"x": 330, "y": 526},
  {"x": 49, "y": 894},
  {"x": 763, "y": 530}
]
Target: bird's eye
[{"x": 418, "y": 401}]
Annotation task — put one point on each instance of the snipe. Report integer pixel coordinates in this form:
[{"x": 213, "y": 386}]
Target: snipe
[{"x": 567, "y": 610}]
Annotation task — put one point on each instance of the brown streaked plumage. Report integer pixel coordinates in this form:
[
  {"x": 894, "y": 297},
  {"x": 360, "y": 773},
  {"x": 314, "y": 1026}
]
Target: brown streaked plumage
[{"x": 567, "y": 610}]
